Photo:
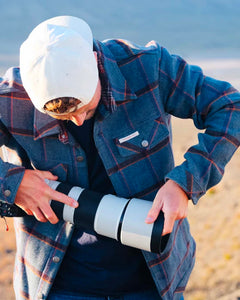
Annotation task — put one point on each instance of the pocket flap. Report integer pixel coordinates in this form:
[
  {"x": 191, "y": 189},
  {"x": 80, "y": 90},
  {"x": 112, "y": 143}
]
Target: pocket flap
[{"x": 145, "y": 137}]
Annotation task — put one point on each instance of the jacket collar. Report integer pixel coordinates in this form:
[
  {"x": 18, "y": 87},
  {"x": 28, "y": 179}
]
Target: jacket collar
[{"x": 119, "y": 87}]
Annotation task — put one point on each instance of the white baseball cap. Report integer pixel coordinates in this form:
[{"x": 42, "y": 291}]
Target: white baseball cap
[{"x": 57, "y": 60}]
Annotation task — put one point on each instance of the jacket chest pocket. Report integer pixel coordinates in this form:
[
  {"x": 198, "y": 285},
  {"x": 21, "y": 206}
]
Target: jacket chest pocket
[
  {"x": 143, "y": 157},
  {"x": 148, "y": 137}
]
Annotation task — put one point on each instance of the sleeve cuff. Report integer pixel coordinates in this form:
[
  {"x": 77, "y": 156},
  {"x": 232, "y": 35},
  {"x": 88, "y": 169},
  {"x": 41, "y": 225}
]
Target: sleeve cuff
[{"x": 187, "y": 182}]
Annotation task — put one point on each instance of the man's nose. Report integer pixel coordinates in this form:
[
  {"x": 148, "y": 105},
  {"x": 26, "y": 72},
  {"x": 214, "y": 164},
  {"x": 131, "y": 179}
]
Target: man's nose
[{"x": 78, "y": 119}]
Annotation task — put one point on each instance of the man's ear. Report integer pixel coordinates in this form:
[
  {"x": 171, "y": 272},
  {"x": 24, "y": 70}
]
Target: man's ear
[{"x": 95, "y": 54}]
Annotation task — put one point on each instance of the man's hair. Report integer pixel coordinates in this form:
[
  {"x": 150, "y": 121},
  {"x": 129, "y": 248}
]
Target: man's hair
[{"x": 62, "y": 105}]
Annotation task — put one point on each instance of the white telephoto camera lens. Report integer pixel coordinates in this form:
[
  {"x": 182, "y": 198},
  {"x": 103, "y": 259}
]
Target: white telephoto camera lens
[{"x": 111, "y": 216}]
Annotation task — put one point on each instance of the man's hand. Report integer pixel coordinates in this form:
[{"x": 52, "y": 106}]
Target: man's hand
[
  {"x": 34, "y": 195},
  {"x": 173, "y": 201}
]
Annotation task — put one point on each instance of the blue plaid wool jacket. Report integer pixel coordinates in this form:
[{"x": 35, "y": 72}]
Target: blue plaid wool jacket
[{"x": 145, "y": 86}]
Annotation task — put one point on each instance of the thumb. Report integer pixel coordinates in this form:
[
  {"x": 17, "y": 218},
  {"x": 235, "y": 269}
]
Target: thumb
[{"x": 153, "y": 213}]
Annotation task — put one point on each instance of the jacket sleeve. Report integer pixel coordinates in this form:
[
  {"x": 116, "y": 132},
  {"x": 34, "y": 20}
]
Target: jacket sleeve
[
  {"x": 215, "y": 107},
  {"x": 10, "y": 174}
]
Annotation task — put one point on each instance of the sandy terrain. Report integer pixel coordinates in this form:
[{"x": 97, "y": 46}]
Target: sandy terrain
[{"x": 214, "y": 224}]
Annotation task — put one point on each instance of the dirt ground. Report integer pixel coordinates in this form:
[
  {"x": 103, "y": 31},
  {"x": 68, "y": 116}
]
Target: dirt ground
[{"x": 214, "y": 224}]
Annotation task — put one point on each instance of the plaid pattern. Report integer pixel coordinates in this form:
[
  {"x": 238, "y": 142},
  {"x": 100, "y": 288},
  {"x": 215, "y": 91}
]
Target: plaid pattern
[{"x": 145, "y": 85}]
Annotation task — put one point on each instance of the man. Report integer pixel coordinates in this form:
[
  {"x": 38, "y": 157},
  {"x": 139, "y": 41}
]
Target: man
[{"x": 99, "y": 118}]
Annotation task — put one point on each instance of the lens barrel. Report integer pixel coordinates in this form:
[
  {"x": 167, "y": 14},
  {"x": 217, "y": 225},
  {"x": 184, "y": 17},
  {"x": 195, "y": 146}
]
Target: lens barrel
[{"x": 111, "y": 216}]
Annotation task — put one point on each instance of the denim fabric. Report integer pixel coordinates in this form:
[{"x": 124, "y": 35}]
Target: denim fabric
[{"x": 146, "y": 86}]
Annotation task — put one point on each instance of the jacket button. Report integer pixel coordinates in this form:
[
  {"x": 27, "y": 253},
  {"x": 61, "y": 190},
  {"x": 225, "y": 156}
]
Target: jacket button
[
  {"x": 7, "y": 193},
  {"x": 56, "y": 259},
  {"x": 80, "y": 158},
  {"x": 145, "y": 143}
]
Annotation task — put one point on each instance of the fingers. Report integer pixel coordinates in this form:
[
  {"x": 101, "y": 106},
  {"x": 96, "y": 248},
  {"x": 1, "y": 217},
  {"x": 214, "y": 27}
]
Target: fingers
[
  {"x": 153, "y": 213},
  {"x": 43, "y": 214},
  {"x": 49, "y": 214},
  {"x": 34, "y": 196},
  {"x": 55, "y": 195},
  {"x": 46, "y": 209},
  {"x": 171, "y": 217},
  {"x": 63, "y": 198},
  {"x": 173, "y": 201},
  {"x": 29, "y": 212},
  {"x": 169, "y": 220},
  {"x": 39, "y": 215}
]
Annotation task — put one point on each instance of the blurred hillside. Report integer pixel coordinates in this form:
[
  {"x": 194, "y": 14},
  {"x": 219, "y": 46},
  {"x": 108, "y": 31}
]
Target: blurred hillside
[{"x": 187, "y": 27}]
